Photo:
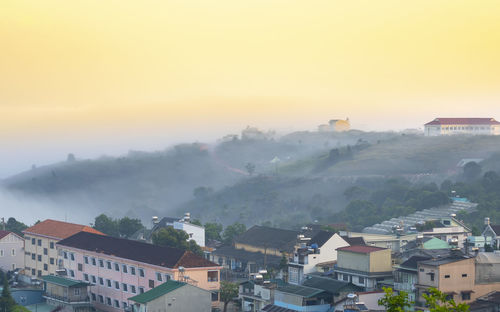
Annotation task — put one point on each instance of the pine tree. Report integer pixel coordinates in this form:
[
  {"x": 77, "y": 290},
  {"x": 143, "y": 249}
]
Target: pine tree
[{"x": 7, "y": 303}]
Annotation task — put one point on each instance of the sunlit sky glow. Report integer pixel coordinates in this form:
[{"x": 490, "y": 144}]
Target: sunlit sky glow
[{"x": 95, "y": 77}]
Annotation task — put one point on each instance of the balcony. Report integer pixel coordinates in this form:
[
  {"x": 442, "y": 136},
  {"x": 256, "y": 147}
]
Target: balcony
[{"x": 76, "y": 300}]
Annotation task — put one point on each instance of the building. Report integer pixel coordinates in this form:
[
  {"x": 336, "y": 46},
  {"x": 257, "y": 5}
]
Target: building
[
  {"x": 453, "y": 235},
  {"x": 39, "y": 243},
  {"x": 462, "y": 278},
  {"x": 471, "y": 126},
  {"x": 267, "y": 240},
  {"x": 120, "y": 268},
  {"x": 336, "y": 125},
  {"x": 66, "y": 294},
  {"x": 406, "y": 276},
  {"x": 242, "y": 261},
  {"x": 173, "y": 296},
  {"x": 290, "y": 298},
  {"x": 256, "y": 294},
  {"x": 361, "y": 301},
  {"x": 390, "y": 241},
  {"x": 11, "y": 251},
  {"x": 487, "y": 303},
  {"x": 491, "y": 233},
  {"x": 428, "y": 243},
  {"x": 310, "y": 251},
  {"x": 364, "y": 266},
  {"x": 195, "y": 232},
  {"x": 338, "y": 289}
]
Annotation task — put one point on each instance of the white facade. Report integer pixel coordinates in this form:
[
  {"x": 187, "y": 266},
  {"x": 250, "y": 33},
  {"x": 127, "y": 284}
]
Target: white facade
[
  {"x": 195, "y": 232},
  {"x": 471, "y": 126},
  {"x": 454, "y": 235},
  {"x": 11, "y": 252}
]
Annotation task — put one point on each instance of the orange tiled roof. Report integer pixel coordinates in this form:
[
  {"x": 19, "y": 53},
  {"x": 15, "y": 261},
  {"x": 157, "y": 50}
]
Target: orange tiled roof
[{"x": 58, "y": 229}]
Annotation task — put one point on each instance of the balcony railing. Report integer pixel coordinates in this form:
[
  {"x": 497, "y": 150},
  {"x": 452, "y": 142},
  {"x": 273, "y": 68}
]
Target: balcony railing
[{"x": 74, "y": 300}]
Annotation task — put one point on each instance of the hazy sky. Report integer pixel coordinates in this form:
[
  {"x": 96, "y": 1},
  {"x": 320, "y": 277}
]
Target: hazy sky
[{"x": 101, "y": 76}]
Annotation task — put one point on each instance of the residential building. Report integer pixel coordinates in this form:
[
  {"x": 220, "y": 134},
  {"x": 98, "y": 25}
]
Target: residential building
[
  {"x": 312, "y": 250},
  {"x": 390, "y": 241},
  {"x": 267, "y": 240},
  {"x": 195, "y": 232},
  {"x": 121, "y": 268},
  {"x": 335, "y": 125},
  {"x": 471, "y": 126},
  {"x": 487, "y": 303},
  {"x": 66, "y": 294},
  {"x": 300, "y": 298},
  {"x": 361, "y": 301},
  {"x": 453, "y": 235},
  {"x": 479, "y": 242},
  {"x": 173, "y": 296},
  {"x": 406, "y": 276},
  {"x": 491, "y": 233},
  {"x": 428, "y": 242},
  {"x": 241, "y": 261},
  {"x": 337, "y": 289},
  {"x": 364, "y": 266},
  {"x": 462, "y": 278},
  {"x": 40, "y": 245},
  {"x": 255, "y": 294},
  {"x": 11, "y": 251}
]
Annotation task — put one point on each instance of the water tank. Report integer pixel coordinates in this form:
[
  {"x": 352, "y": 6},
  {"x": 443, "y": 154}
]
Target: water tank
[
  {"x": 155, "y": 220},
  {"x": 486, "y": 221}
]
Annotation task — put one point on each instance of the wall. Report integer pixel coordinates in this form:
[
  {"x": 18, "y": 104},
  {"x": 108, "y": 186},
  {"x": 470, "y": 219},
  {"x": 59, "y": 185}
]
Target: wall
[
  {"x": 31, "y": 248},
  {"x": 353, "y": 261},
  {"x": 183, "y": 299},
  {"x": 11, "y": 252},
  {"x": 269, "y": 251},
  {"x": 380, "y": 261},
  {"x": 196, "y": 233}
]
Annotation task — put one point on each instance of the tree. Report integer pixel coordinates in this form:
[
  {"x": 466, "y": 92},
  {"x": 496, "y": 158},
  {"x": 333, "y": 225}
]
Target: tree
[
  {"x": 7, "y": 303},
  {"x": 395, "y": 302},
  {"x": 438, "y": 302},
  {"x": 128, "y": 226},
  {"x": 71, "y": 157},
  {"x": 232, "y": 231},
  {"x": 228, "y": 291},
  {"x": 472, "y": 170},
  {"x": 171, "y": 237},
  {"x": 212, "y": 231},
  {"x": 15, "y": 226},
  {"x": 250, "y": 167},
  {"x": 106, "y": 225},
  {"x": 196, "y": 222}
]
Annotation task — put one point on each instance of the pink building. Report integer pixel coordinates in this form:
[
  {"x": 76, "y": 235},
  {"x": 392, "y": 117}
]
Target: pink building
[{"x": 119, "y": 268}]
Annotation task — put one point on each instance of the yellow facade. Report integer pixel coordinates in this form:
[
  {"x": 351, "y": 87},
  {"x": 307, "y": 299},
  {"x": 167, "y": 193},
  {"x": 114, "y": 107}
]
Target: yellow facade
[{"x": 40, "y": 255}]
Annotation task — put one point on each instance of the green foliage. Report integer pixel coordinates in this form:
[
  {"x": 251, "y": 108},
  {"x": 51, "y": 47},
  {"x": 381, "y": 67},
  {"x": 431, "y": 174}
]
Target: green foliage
[
  {"x": 7, "y": 303},
  {"x": 283, "y": 263},
  {"x": 171, "y": 237},
  {"x": 123, "y": 227},
  {"x": 15, "y": 226},
  {"x": 438, "y": 302},
  {"x": 472, "y": 171},
  {"x": 228, "y": 292},
  {"x": 213, "y": 231},
  {"x": 233, "y": 231},
  {"x": 395, "y": 302},
  {"x": 196, "y": 222}
]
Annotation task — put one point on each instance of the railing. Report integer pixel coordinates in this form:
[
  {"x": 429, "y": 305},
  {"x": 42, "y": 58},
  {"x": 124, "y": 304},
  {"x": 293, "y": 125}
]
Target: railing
[{"x": 76, "y": 300}]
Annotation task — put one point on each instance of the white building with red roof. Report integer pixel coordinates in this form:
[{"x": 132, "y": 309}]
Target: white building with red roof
[{"x": 471, "y": 126}]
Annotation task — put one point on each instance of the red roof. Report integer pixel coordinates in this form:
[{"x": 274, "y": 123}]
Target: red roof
[
  {"x": 463, "y": 121},
  {"x": 361, "y": 249},
  {"x": 58, "y": 229},
  {"x": 4, "y": 233}
]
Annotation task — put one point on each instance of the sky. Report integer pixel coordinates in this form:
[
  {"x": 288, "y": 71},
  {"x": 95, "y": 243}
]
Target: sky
[{"x": 95, "y": 77}]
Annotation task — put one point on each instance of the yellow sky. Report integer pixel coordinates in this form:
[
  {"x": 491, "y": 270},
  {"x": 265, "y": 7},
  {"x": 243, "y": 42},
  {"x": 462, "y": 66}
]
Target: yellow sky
[{"x": 91, "y": 64}]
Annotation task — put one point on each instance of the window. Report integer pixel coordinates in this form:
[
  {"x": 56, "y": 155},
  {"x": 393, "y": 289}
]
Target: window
[
  {"x": 77, "y": 292},
  {"x": 39, "y": 242},
  {"x": 213, "y": 276},
  {"x": 33, "y": 256},
  {"x": 361, "y": 280},
  {"x": 93, "y": 296},
  {"x": 124, "y": 287},
  {"x": 33, "y": 241},
  {"x": 51, "y": 245},
  {"x": 39, "y": 258},
  {"x": 464, "y": 275},
  {"x": 108, "y": 283},
  {"x": 158, "y": 277},
  {"x": 13, "y": 266},
  {"x": 215, "y": 296},
  {"x": 141, "y": 290},
  {"x": 141, "y": 272},
  {"x": 72, "y": 256},
  {"x": 124, "y": 268},
  {"x": 71, "y": 273},
  {"x": 45, "y": 266},
  {"x": 45, "y": 251},
  {"x": 51, "y": 260},
  {"x": 101, "y": 263},
  {"x": 108, "y": 301},
  {"x": 93, "y": 278},
  {"x": 12, "y": 252},
  {"x": 86, "y": 260},
  {"x": 447, "y": 276},
  {"x": 33, "y": 271},
  {"x": 1, "y": 252},
  {"x": 101, "y": 299},
  {"x": 93, "y": 261},
  {"x": 117, "y": 304},
  {"x": 465, "y": 295},
  {"x": 108, "y": 265},
  {"x": 101, "y": 281},
  {"x": 124, "y": 305},
  {"x": 151, "y": 284},
  {"x": 65, "y": 255},
  {"x": 431, "y": 276},
  {"x": 132, "y": 270},
  {"x": 117, "y": 285},
  {"x": 39, "y": 273},
  {"x": 449, "y": 296},
  {"x": 80, "y": 267},
  {"x": 421, "y": 270},
  {"x": 117, "y": 267},
  {"x": 345, "y": 277},
  {"x": 132, "y": 289},
  {"x": 86, "y": 277}
]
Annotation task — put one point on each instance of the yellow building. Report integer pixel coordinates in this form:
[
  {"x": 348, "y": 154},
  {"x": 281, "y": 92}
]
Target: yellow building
[
  {"x": 335, "y": 125},
  {"x": 40, "y": 240}
]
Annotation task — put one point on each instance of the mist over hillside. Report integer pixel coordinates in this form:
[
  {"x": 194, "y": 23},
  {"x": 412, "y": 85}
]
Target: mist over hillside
[{"x": 282, "y": 180}]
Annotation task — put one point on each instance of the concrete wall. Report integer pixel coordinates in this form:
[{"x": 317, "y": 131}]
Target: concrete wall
[
  {"x": 196, "y": 233},
  {"x": 269, "y": 251},
  {"x": 380, "y": 261},
  {"x": 184, "y": 299},
  {"x": 11, "y": 252},
  {"x": 353, "y": 261}
]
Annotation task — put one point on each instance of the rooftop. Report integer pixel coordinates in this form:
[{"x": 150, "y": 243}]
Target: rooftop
[
  {"x": 157, "y": 292},
  {"x": 328, "y": 284},
  {"x": 354, "y": 240},
  {"x": 274, "y": 308},
  {"x": 137, "y": 251},
  {"x": 495, "y": 228},
  {"x": 58, "y": 229},
  {"x": 303, "y": 291},
  {"x": 463, "y": 121},
  {"x": 63, "y": 281},
  {"x": 269, "y": 237},
  {"x": 5, "y": 233},
  {"x": 361, "y": 249},
  {"x": 243, "y": 255},
  {"x": 442, "y": 261},
  {"x": 412, "y": 263}
]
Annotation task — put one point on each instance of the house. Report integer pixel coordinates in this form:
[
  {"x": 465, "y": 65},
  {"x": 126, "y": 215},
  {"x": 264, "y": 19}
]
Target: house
[
  {"x": 195, "y": 232},
  {"x": 291, "y": 298},
  {"x": 462, "y": 278},
  {"x": 173, "y": 296},
  {"x": 256, "y": 294},
  {"x": 242, "y": 261},
  {"x": 320, "y": 247},
  {"x": 487, "y": 303},
  {"x": 267, "y": 240},
  {"x": 66, "y": 294},
  {"x": 39, "y": 243},
  {"x": 361, "y": 301},
  {"x": 453, "y": 235},
  {"x": 335, "y": 125},
  {"x": 471, "y": 126},
  {"x": 406, "y": 276},
  {"x": 119, "y": 268},
  {"x": 428, "y": 242},
  {"x": 364, "y": 266},
  {"x": 338, "y": 289},
  {"x": 390, "y": 241},
  {"x": 11, "y": 251},
  {"x": 491, "y": 233}
]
